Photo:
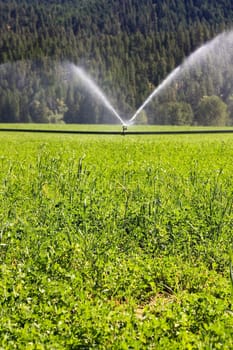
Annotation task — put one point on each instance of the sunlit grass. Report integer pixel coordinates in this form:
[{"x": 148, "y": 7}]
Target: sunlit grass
[{"x": 115, "y": 242}]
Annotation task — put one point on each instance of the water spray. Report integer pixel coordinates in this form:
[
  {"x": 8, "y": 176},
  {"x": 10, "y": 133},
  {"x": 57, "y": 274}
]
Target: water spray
[
  {"x": 199, "y": 56},
  {"x": 218, "y": 44},
  {"x": 165, "y": 82},
  {"x": 93, "y": 89}
]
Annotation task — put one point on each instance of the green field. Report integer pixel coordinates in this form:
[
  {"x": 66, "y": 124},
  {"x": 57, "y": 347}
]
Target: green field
[{"x": 111, "y": 242}]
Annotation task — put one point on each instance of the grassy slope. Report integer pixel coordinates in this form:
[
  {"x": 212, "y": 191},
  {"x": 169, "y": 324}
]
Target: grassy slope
[{"x": 115, "y": 243}]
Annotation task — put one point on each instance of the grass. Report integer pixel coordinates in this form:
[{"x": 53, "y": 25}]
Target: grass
[{"x": 116, "y": 243}]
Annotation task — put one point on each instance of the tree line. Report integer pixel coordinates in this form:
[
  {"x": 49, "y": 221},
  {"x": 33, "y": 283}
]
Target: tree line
[{"x": 127, "y": 46}]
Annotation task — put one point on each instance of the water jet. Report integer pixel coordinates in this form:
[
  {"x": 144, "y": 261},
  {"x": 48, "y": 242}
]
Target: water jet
[
  {"x": 217, "y": 50},
  {"x": 92, "y": 88}
]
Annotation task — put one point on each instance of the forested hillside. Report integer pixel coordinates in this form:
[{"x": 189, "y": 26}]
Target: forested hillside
[{"x": 127, "y": 46}]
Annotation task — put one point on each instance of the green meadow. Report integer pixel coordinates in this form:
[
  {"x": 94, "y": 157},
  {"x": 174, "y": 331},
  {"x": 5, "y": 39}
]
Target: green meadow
[{"x": 112, "y": 242}]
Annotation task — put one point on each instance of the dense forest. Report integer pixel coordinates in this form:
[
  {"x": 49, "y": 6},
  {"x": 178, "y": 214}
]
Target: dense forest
[{"x": 127, "y": 46}]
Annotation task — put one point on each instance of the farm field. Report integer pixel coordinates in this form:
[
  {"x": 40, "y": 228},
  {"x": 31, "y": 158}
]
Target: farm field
[{"x": 112, "y": 242}]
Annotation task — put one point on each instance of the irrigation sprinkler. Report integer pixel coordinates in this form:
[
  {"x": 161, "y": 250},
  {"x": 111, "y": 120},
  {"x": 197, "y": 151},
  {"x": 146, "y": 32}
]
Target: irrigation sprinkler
[{"x": 124, "y": 129}]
